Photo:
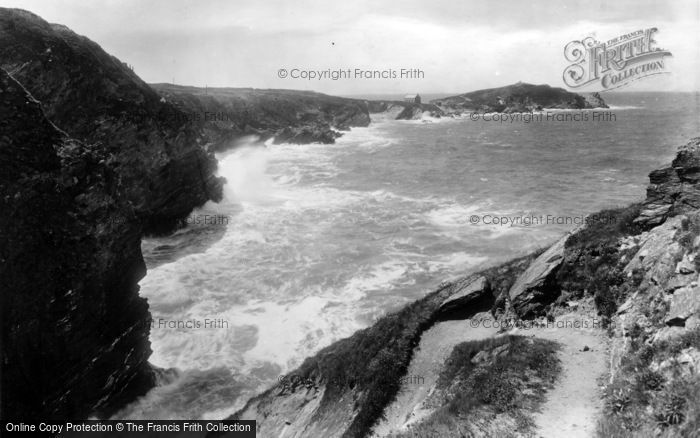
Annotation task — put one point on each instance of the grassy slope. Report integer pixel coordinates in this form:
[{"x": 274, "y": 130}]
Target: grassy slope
[{"x": 512, "y": 383}]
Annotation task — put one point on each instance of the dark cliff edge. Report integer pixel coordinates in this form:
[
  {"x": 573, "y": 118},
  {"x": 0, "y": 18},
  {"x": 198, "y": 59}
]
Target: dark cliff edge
[
  {"x": 636, "y": 268},
  {"x": 519, "y": 97},
  {"x": 74, "y": 330},
  {"x": 93, "y": 97},
  {"x": 88, "y": 164},
  {"x": 290, "y": 116},
  {"x": 668, "y": 193}
]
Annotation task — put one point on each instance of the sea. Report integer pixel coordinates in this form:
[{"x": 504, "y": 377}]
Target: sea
[{"x": 314, "y": 242}]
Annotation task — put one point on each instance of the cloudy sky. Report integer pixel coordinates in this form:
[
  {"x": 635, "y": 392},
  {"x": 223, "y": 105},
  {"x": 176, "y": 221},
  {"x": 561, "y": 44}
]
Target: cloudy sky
[{"x": 459, "y": 45}]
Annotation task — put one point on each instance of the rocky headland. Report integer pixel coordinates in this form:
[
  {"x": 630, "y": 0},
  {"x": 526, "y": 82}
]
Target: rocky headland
[
  {"x": 517, "y": 98},
  {"x": 289, "y": 116}
]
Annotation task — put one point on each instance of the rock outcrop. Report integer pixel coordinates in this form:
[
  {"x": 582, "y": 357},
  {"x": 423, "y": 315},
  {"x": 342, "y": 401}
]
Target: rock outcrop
[
  {"x": 399, "y": 110},
  {"x": 520, "y": 97},
  {"x": 674, "y": 189},
  {"x": 299, "y": 117},
  {"x": 93, "y": 97},
  {"x": 74, "y": 330},
  {"x": 472, "y": 293},
  {"x": 537, "y": 287}
]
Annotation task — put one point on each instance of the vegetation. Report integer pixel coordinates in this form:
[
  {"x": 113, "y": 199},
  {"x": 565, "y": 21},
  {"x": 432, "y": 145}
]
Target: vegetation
[
  {"x": 642, "y": 402},
  {"x": 594, "y": 262},
  {"x": 511, "y": 380}
]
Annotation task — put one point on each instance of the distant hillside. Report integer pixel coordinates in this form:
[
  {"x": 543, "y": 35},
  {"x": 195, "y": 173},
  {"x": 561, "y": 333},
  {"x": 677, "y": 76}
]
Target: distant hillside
[
  {"x": 290, "y": 116},
  {"x": 518, "y": 97}
]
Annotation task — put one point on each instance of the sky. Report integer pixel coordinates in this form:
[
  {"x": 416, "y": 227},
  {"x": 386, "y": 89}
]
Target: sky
[{"x": 457, "y": 45}]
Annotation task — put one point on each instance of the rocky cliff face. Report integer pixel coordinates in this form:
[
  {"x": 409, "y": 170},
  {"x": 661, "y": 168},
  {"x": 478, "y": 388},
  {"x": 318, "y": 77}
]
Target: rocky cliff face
[
  {"x": 289, "y": 116},
  {"x": 95, "y": 98},
  {"x": 674, "y": 189},
  {"x": 74, "y": 330},
  {"x": 88, "y": 164},
  {"x": 520, "y": 97}
]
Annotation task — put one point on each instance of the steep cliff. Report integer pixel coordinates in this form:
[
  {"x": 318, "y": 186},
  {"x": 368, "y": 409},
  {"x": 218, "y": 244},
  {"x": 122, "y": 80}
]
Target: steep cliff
[
  {"x": 74, "y": 330},
  {"x": 520, "y": 97},
  {"x": 92, "y": 96},
  {"x": 674, "y": 189},
  {"x": 289, "y": 116}
]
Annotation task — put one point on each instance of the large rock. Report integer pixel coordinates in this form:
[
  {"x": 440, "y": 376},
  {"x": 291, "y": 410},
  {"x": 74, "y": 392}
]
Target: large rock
[
  {"x": 684, "y": 304},
  {"x": 674, "y": 189},
  {"x": 74, "y": 329},
  {"x": 536, "y": 287},
  {"x": 658, "y": 254},
  {"x": 467, "y": 298},
  {"x": 157, "y": 154}
]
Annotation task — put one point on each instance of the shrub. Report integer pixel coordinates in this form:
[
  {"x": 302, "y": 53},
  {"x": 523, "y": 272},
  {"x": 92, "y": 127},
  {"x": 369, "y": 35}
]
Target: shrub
[
  {"x": 672, "y": 410},
  {"x": 619, "y": 400},
  {"x": 650, "y": 380}
]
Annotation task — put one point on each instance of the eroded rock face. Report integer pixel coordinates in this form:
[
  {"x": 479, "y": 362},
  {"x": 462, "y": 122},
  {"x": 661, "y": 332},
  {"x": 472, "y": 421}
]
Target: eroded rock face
[
  {"x": 537, "y": 287},
  {"x": 74, "y": 330},
  {"x": 674, "y": 189},
  {"x": 93, "y": 97}
]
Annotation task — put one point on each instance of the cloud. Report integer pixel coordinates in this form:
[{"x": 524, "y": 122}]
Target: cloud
[{"x": 459, "y": 46}]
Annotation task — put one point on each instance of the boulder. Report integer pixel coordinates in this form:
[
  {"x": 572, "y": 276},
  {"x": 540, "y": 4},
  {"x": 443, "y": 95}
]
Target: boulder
[
  {"x": 658, "y": 254},
  {"x": 536, "y": 287},
  {"x": 466, "y": 297},
  {"x": 684, "y": 304},
  {"x": 488, "y": 356}
]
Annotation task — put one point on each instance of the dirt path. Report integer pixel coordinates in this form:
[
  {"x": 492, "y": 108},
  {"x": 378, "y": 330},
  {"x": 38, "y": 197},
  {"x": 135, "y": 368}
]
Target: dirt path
[
  {"x": 572, "y": 406},
  {"x": 435, "y": 346}
]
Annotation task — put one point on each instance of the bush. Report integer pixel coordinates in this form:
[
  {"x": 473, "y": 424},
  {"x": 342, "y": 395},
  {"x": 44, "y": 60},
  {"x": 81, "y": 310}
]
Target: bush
[
  {"x": 672, "y": 410},
  {"x": 650, "y": 380}
]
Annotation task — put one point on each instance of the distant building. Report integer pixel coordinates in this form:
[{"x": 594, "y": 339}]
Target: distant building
[{"x": 412, "y": 98}]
